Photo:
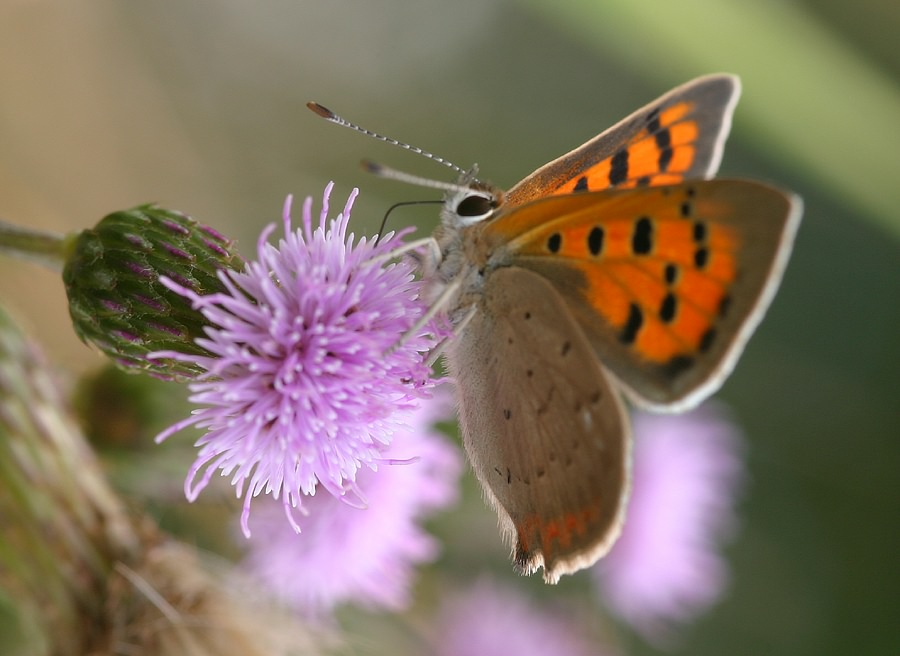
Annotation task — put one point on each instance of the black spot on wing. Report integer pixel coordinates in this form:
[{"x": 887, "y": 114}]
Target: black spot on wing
[
  {"x": 633, "y": 325},
  {"x": 554, "y": 242},
  {"x": 664, "y": 143},
  {"x": 595, "y": 240},
  {"x": 699, "y": 231},
  {"x": 663, "y": 139},
  {"x": 677, "y": 366},
  {"x": 618, "y": 172},
  {"x": 706, "y": 341},
  {"x": 724, "y": 304},
  {"x": 642, "y": 237},
  {"x": 671, "y": 274},
  {"x": 668, "y": 308},
  {"x": 701, "y": 257}
]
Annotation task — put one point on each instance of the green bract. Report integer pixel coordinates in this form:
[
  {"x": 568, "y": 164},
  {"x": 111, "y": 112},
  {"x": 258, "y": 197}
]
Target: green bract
[{"x": 116, "y": 299}]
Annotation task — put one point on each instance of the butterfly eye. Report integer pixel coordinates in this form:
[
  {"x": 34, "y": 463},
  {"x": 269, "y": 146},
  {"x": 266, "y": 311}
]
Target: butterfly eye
[{"x": 473, "y": 208}]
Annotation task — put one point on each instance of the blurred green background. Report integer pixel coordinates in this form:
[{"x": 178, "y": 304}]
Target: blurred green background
[{"x": 199, "y": 105}]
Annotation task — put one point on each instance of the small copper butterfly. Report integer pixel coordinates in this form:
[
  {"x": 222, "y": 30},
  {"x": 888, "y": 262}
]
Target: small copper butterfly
[{"x": 618, "y": 269}]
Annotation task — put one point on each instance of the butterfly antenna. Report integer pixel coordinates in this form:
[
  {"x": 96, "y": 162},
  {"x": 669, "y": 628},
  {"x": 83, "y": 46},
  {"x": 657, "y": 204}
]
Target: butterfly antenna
[
  {"x": 382, "y": 171},
  {"x": 329, "y": 115}
]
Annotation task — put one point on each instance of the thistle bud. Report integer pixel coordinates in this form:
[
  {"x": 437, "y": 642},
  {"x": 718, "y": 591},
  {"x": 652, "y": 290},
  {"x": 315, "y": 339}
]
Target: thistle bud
[{"x": 116, "y": 299}]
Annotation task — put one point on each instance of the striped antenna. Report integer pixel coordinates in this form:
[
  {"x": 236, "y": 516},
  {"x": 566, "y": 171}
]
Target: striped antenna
[
  {"x": 382, "y": 171},
  {"x": 329, "y": 115}
]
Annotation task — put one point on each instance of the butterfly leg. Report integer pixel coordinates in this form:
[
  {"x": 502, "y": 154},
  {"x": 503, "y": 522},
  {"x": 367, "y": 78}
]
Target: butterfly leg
[
  {"x": 439, "y": 303},
  {"x": 438, "y": 349},
  {"x": 434, "y": 252}
]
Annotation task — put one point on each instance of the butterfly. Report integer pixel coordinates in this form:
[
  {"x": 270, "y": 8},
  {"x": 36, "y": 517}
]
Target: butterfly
[{"x": 619, "y": 270}]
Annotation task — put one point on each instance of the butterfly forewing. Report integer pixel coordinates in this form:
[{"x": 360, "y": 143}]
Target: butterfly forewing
[
  {"x": 545, "y": 432},
  {"x": 677, "y": 137},
  {"x": 667, "y": 283}
]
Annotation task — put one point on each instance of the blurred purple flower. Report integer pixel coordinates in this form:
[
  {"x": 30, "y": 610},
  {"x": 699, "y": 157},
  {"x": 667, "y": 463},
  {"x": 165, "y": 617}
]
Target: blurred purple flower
[
  {"x": 364, "y": 556},
  {"x": 304, "y": 386},
  {"x": 488, "y": 619},
  {"x": 666, "y": 567}
]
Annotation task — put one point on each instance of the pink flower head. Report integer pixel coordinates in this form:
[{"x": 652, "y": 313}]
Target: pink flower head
[
  {"x": 489, "y": 619},
  {"x": 306, "y": 382},
  {"x": 365, "y": 556},
  {"x": 666, "y": 566}
]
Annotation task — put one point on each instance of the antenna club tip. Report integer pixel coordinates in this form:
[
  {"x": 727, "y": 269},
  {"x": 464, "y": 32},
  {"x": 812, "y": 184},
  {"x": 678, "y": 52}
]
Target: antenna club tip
[
  {"x": 371, "y": 167},
  {"x": 322, "y": 111}
]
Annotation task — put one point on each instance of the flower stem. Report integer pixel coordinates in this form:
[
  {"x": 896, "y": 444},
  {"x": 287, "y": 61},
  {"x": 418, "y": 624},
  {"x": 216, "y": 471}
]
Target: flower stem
[{"x": 47, "y": 248}]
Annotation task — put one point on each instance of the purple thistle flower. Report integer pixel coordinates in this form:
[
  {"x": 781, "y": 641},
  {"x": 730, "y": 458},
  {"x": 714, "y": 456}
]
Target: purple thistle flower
[
  {"x": 365, "y": 556},
  {"x": 305, "y": 383},
  {"x": 666, "y": 567},
  {"x": 489, "y": 619}
]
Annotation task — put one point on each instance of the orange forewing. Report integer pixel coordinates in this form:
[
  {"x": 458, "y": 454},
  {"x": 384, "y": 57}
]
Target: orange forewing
[
  {"x": 660, "y": 153},
  {"x": 678, "y": 137},
  {"x": 666, "y": 281}
]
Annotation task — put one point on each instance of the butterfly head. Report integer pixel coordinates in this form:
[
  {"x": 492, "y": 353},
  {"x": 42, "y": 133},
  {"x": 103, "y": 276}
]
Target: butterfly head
[{"x": 470, "y": 201}]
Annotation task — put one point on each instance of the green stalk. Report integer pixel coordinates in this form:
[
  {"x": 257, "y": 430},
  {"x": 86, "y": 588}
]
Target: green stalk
[{"x": 49, "y": 249}]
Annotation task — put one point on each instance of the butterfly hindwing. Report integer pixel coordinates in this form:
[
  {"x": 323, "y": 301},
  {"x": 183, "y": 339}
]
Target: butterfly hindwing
[
  {"x": 677, "y": 137},
  {"x": 667, "y": 283},
  {"x": 545, "y": 432}
]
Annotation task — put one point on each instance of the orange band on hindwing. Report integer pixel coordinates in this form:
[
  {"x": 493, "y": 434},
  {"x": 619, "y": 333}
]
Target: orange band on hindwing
[{"x": 552, "y": 535}]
